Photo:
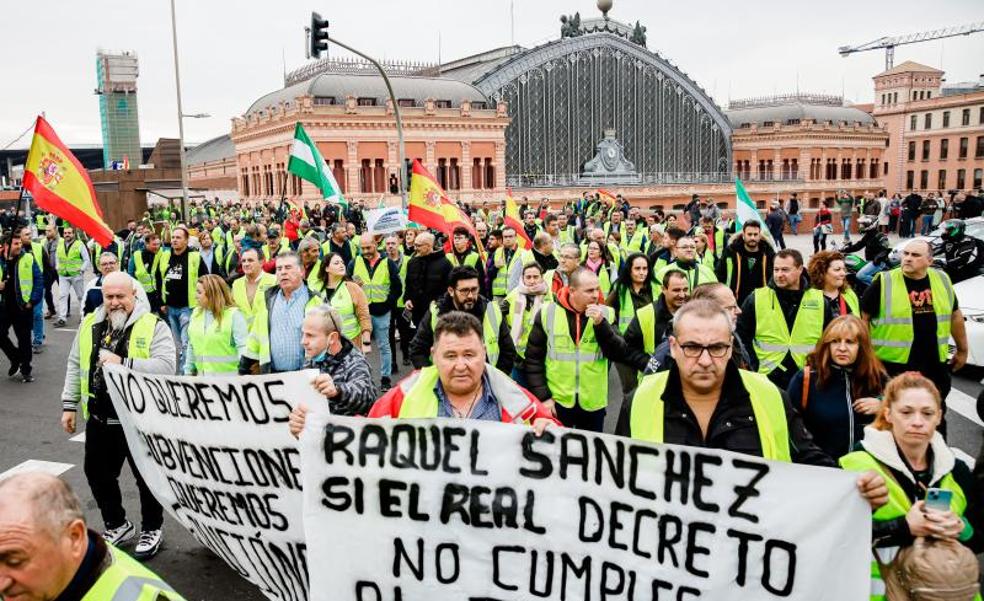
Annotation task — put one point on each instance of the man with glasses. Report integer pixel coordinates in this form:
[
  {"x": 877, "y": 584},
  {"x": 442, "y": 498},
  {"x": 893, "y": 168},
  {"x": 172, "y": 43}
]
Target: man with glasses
[
  {"x": 464, "y": 294},
  {"x": 685, "y": 261},
  {"x": 568, "y": 260},
  {"x": 380, "y": 280},
  {"x": 93, "y": 297}
]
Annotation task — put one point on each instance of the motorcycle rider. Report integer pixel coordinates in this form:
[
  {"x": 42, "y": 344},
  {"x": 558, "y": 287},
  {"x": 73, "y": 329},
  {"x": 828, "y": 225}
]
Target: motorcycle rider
[
  {"x": 964, "y": 254},
  {"x": 876, "y": 249}
]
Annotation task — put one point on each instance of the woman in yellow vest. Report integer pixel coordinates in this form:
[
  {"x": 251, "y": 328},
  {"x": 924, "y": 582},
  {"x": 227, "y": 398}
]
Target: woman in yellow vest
[
  {"x": 519, "y": 309},
  {"x": 904, "y": 447},
  {"x": 839, "y": 389},
  {"x": 828, "y": 284},
  {"x": 217, "y": 331},
  {"x": 634, "y": 289},
  {"x": 704, "y": 254},
  {"x": 347, "y": 297},
  {"x": 599, "y": 260}
]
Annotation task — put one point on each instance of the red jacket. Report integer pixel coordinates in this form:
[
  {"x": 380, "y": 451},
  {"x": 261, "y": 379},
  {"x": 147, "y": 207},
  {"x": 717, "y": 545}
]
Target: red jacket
[
  {"x": 290, "y": 227},
  {"x": 389, "y": 404}
]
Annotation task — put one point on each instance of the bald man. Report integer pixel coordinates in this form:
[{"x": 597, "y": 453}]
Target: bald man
[
  {"x": 427, "y": 276},
  {"x": 48, "y": 552},
  {"x": 121, "y": 331},
  {"x": 380, "y": 279}
]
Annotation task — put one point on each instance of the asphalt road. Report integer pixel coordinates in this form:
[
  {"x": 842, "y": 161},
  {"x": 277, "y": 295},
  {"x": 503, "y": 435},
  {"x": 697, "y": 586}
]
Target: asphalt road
[{"x": 31, "y": 438}]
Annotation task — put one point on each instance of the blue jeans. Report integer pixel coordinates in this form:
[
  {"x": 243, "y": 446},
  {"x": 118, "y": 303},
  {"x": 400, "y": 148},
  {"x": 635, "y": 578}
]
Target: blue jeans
[
  {"x": 846, "y": 223},
  {"x": 927, "y": 225},
  {"x": 868, "y": 272},
  {"x": 178, "y": 319},
  {"x": 380, "y": 335},
  {"x": 38, "y": 324},
  {"x": 794, "y": 221}
]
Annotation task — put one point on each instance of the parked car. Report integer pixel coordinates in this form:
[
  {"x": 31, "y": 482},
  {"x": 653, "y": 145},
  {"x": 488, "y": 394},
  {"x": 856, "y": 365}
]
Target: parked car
[
  {"x": 970, "y": 294},
  {"x": 975, "y": 229}
]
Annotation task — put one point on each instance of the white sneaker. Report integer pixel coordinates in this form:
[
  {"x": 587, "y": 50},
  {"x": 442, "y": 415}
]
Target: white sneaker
[
  {"x": 119, "y": 535},
  {"x": 149, "y": 544}
]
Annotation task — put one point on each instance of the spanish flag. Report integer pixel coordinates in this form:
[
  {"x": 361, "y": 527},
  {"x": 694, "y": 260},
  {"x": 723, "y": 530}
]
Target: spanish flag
[
  {"x": 512, "y": 219},
  {"x": 607, "y": 196},
  {"x": 61, "y": 186},
  {"x": 430, "y": 206}
]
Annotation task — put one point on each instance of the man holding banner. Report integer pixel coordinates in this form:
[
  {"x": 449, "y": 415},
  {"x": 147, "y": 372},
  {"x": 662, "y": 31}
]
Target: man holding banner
[{"x": 121, "y": 331}]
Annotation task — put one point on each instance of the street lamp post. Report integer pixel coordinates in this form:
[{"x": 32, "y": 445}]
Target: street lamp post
[{"x": 177, "y": 85}]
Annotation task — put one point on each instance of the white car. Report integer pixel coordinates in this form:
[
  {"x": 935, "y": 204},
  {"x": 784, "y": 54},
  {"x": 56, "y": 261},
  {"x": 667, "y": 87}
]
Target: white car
[
  {"x": 970, "y": 297},
  {"x": 975, "y": 229}
]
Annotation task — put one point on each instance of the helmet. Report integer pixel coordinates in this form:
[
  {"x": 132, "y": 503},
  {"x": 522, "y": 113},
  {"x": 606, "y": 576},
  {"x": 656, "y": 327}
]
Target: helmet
[
  {"x": 866, "y": 222},
  {"x": 953, "y": 229}
]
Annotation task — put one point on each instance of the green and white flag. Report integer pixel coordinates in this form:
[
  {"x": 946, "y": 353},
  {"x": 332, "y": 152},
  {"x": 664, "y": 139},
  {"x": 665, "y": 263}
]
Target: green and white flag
[
  {"x": 746, "y": 210},
  {"x": 307, "y": 163}
]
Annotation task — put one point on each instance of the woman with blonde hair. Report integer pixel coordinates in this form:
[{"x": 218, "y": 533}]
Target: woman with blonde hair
[
  {"x": 838, "y": 391},
  {"x": 928, "y": 486},
  {"x": 217, "y": 330},
  {"x": 828, "y": 285}
]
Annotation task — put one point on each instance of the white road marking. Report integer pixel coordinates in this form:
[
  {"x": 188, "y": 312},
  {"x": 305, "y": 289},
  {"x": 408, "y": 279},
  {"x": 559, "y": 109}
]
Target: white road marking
[
  {"x": 965, "y": 405},
  {"x": 35, "y": 465},
  {"x": 78, "y": 437},
  {"x": 964, "y": 457},
  {"x": 65, "y": 330}
]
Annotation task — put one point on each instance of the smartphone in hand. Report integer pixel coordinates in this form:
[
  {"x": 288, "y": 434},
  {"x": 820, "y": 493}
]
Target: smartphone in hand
[{"x": 939, "y": 499}]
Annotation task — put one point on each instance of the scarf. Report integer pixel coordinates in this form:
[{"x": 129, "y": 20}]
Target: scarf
[{"x": 519, "y": 308}]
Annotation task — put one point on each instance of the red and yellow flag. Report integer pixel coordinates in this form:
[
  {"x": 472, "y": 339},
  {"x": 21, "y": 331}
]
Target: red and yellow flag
[
  {"x": 607, "y": 196},
  {"x": 512, "y": 219},
  {"x": 61, "y": 185},
  {"x": 430, "y": 206}
]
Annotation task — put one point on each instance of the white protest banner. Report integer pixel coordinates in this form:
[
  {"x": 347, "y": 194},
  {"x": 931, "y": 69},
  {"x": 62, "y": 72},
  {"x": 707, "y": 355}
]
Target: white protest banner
[
  {"x": 386, "y": 221},
  {"x": 418, "y": 510},
  {"x": 217, "y": 454}
]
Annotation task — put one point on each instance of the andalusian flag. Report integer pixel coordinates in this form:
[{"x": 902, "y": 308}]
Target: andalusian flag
[
  {"x": 746, "y": 210},
  {"x": 307, "y": 163},
  {"x": 61, "y": 185},
  {"x": 430, "y": 206},
  {"x": 512, "y": 219}
]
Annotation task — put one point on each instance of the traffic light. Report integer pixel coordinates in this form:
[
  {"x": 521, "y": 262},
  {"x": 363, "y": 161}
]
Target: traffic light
[{"x": 319, "y": 35}]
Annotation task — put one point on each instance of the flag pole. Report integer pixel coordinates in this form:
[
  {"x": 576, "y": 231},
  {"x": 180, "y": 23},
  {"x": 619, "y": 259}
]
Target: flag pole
[{"x": 283, "y": 196}]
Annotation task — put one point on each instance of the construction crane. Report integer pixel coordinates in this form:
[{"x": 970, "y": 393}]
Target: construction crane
[{"x": 889, "y": 44}]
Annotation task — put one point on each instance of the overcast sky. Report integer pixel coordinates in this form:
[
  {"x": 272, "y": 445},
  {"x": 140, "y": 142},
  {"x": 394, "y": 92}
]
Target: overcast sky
[{"x": 233, "y": 51}]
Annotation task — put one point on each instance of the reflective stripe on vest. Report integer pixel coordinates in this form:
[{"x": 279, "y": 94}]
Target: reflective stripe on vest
[
  {"x": 145, "y": 277},
  {"x": 491, "y": 324},
  {"x": 898, "y": 505},
  {"x": 501, "y": 281},
  {"x": 576, "y": 373},
  {"x": 526, "y": 315},
  {"x": 377, "y": 285},
  {"x": 647, "y": 411},
  {"x": 891, "y": 330},
  {"x": 249, "y": 310},
  {"x": 215, "y": 352},
  {"x": 138, "y": 347},
  {"x": 342, "y": 301},
  {"x": 194, "y": 260},
  {"x": 772, "y": 336},
  {"x": 69, "y": 260},
  {"x": 125, "y": 579},
  {"x": 470, "y": 260}
]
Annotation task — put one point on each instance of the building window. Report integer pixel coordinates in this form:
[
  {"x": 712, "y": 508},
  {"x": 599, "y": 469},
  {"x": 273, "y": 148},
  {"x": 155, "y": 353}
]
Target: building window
[
  {"x": 245, "y": 181},
  {"x": 489, "y": 174},
  {"x": 768, "y": 123},
  {"x": 885, "y": 170},
  {"x": 978, "y": 176},
  {"x": 479, "y": 105},
  {"x": 442, "y": 173},
  {"x": 895, "y": 97},
  {"x": 324, "y": 100},
  {"x": 944, "y": 149},
  {"x": 365, "y": 176},
  {"x": 980, "y": 118},
  {"x": 923, "y": 179},
  {"x": 845, "y": 168},
  {"x": 405, "y": 102},
  {"x": 912, "y": 123},
  {"x": 477, "y": 173},
  {"x": 929, "y": 94},
  {"x": 912, "y": 150},
  {"x": 442, "y": 104},
  {"x": 792, "y": 121},
  {"x": 928, "y": 121},
  {"x": 873, "y": 169},
  {"x": 454, "y": 175},
  {"x": 965, "y": 117},
  {"x": 925, "y": 150},
  {"x": 979, "y": 149},
  {"x": 367, "y": 101},
  {"x": 962, "y": 151},
  {"x": 859, "y": 170},
  {"x": 909, "y": 179},
  {"x": 961, "y": 178},
  {"x": 794, "y": 168},
  {"x": 769, "y": 172},
  {"x": 941, "y": 180},
  {"x": 338, "y": 170}
]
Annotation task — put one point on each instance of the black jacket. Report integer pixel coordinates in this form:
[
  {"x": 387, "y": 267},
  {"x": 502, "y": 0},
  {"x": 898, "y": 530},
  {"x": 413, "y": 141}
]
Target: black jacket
[
  {"x": 875, "y": 245},
  {"x": 420, "y": 346},
  {"x": 789, "y": 302},
  {"x": 732, "y": 426},
  {"x": 628, "y": 346},
  {"x": 427, "y": 280},
  {"x": 738, "y": 257},
  {"x": 395, "y": 288}
]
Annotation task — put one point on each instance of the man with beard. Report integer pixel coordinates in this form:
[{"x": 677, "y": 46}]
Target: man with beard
[
  {"x": 121, "y": 331},
  {"x": 747, "y": 262},
  {"x": 463, "y": 294}
]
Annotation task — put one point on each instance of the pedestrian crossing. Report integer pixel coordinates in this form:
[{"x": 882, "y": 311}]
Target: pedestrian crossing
[
  {"x": 965, "y": 406},
  {"x": 35, "y": 465}
]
